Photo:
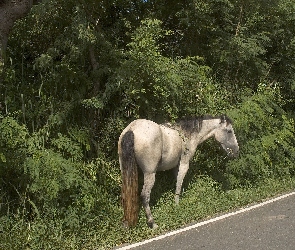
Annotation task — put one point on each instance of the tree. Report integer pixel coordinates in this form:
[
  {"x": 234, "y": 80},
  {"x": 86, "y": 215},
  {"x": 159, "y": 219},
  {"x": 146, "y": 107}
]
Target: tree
[{"x": 10, "y": 11}]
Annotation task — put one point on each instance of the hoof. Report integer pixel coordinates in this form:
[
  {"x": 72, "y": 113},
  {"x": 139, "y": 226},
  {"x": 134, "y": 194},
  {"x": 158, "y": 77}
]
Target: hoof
[
  {"x": 152, "y": 225},
  {"x": 125, "y": 224}
]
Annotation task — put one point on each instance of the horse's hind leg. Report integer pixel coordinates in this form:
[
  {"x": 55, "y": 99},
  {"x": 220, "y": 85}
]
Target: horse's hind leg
[{"x": 149, "y": 180}]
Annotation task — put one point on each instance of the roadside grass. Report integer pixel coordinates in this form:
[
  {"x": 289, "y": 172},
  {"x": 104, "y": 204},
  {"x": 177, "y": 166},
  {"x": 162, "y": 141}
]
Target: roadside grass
[{"x": 203, "y": 198}]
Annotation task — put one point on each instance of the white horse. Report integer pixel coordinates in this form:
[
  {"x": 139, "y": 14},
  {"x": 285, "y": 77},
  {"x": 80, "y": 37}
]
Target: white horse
[{"x": 153, "y": 147}]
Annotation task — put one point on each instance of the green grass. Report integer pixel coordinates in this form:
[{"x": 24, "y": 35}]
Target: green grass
[{"x": 202, "y": 198}]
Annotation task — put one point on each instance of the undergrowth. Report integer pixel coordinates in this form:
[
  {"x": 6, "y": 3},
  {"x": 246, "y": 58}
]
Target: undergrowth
[
  {"x": 203, "y": 198},
  {"x": 54, "y": 197}
]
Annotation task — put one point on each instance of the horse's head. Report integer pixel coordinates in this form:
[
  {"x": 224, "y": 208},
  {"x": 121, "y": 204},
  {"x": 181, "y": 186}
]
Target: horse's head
[{"x": 226, "y": 136}]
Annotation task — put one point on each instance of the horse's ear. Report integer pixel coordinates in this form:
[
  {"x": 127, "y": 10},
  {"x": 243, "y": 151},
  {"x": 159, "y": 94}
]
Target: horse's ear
[{"x": 222, "y": 119}]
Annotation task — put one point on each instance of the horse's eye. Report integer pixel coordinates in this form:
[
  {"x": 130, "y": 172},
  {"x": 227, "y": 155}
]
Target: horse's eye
[{"x": 229, "y": 131}]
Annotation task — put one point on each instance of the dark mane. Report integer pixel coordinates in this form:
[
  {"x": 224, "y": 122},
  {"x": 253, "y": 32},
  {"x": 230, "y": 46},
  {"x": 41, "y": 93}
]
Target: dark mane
[
  {"x": 194, "y": 123},
  {"x": 190, "y": 124}
]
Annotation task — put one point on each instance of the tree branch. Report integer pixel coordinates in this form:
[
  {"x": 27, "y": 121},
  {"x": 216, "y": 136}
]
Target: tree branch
[
  {"x": 95, "y": 66},
  {"x": 239, "y": 23}
]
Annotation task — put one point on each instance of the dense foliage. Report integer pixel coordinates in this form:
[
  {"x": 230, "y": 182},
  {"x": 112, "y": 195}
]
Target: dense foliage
[{"x": 77, "y": 72}]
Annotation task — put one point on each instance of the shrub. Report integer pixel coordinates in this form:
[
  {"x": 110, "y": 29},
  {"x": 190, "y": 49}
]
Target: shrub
[{"x": 266, "y": 138}]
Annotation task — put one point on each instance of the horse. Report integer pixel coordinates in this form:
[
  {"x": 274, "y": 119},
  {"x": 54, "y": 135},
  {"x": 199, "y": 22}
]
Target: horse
[{"x": 156, "y": 147}]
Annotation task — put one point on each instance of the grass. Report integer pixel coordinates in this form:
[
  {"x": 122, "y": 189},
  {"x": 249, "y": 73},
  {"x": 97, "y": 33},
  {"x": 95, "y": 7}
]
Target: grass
[{"x": 202, "y": 198}]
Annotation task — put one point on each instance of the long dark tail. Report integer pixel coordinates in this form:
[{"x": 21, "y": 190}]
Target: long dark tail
[{"x": 130, "y": 199}]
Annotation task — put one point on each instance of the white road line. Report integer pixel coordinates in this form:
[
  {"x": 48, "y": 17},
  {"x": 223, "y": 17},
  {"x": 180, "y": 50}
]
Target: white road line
[{"x": 243, "y": 210}]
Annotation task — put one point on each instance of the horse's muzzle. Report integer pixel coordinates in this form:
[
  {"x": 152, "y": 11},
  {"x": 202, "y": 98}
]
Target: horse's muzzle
[{"x": 234, "y": 153}]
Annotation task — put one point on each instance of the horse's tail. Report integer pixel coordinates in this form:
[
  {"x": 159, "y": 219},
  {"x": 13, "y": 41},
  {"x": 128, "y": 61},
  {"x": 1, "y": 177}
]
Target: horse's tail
[{"x": 130, "y": 199}]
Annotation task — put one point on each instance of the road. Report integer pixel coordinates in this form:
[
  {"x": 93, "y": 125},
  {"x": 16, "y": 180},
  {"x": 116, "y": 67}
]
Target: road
[{"x": 268, "y": 225}]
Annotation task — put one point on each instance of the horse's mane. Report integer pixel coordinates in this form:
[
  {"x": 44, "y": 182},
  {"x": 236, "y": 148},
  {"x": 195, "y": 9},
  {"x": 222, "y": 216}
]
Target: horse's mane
[{"x": 192, "y": 124}]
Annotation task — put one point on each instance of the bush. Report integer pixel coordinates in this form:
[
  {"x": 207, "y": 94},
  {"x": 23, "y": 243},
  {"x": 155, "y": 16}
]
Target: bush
[
  {"x": 266, "y": 138},
  {"x": 47, "y": 173}
]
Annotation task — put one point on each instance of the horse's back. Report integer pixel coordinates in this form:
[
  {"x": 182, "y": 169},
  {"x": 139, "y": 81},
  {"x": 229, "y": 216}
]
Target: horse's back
[{"x": 144, "y": 129}]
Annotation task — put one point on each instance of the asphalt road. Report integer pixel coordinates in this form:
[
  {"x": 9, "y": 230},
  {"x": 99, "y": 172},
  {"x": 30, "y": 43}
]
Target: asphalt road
[{"x": 270, "y": 225}]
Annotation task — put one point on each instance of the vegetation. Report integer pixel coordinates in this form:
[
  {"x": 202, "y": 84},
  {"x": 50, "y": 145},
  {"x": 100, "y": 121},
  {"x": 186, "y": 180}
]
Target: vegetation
[{"x": 76, "y": 73}]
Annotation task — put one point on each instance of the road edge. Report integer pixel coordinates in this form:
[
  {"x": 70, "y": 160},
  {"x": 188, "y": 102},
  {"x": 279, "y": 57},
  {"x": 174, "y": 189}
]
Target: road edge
[{"x": 202, "y": 223}]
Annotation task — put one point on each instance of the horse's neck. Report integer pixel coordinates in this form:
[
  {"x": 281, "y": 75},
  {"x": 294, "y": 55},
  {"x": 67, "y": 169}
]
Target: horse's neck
[{"x": 207, "y": 131}]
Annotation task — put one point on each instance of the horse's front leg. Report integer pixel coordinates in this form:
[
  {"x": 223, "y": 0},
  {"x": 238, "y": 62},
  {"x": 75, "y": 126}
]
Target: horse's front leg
[
  {"x": 183, "y": 168},
  {"x": 149, "y": 180}
]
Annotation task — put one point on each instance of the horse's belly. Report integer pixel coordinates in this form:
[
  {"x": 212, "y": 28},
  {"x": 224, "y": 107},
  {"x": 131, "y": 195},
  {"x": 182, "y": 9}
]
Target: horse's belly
[{"x": 168, "y": 163}]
